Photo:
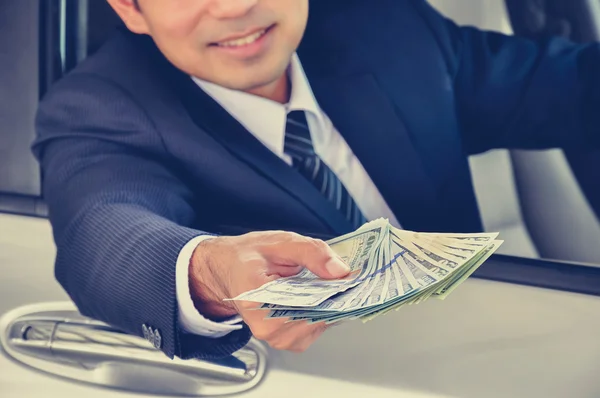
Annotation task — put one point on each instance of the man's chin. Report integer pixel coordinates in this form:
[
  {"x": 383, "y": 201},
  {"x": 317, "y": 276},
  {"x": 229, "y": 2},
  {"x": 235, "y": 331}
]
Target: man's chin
[{"x": 263, "y": 87}]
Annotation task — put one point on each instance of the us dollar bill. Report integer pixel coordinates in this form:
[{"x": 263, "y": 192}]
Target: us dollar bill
[
  {"x": 390, "y": 268},
  {"x": 306, "y": 289}
]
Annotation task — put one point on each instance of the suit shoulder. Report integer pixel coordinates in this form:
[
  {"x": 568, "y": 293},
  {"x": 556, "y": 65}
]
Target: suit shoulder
[
  {"x": 121, "y": 55},
  {"x": 402, "y": 18},
  {"x": 126, "y": 61},
  {"x": 357, "y": 32},
  {"x": 128, "y": 68}
]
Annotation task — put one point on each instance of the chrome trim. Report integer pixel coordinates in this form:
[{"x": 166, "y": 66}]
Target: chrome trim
[
  {"x": 56, "y": 339},
  {"x": 62, "y": 25},
  {"x": 593, "y": 10}
]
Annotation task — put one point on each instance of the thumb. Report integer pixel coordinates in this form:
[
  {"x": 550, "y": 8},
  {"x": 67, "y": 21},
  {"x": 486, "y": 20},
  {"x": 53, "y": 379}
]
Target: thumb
[
  {"x": 335, "y": 267},
  {"x": 314, "y": 255}
]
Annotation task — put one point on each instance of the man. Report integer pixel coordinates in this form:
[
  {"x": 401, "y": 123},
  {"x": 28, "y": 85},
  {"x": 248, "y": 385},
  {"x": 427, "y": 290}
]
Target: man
[{"x": 215, "y": 147}]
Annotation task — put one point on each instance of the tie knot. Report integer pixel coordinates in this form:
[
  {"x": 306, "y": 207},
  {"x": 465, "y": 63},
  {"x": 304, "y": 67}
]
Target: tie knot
[
  {"x": 298, "y": 117},
  {"x": 298, "y": 143}
]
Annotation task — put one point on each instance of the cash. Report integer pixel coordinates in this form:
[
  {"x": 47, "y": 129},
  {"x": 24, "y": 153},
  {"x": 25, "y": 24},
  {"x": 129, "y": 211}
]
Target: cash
[{"x": 389, "y": 268}]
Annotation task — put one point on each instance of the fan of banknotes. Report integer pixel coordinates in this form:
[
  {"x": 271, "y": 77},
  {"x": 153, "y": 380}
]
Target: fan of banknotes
[{"x": 389, "y": 268}]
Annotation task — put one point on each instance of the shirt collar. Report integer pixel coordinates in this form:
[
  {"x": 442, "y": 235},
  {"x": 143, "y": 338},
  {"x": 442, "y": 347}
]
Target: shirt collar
[{"x": 250, "y": 110}]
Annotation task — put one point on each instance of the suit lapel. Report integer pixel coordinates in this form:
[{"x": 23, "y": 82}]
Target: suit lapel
[
  {"x": 364, "y": 115},
  {"x": 367, "y": 120},
  {"x": 216, "y": 121}
]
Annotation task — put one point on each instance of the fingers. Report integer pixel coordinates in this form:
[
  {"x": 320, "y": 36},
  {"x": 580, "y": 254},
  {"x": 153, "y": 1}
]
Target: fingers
[
  {"x": 281, "y": 334},
  {"x": 298, "y": 337},
  {"x": 285, "y": 270},
  {"x": 316, "y": 331},
  {"x": 268, "y": 330},
  {"x": 313, "y": 254},
  {"x": 264, "y": 256}
]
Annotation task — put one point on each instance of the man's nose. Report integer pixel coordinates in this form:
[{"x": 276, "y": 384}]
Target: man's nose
[{"x": 224, "y": 9}]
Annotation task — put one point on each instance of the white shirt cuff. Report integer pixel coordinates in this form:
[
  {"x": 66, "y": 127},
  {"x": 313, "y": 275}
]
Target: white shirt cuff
[{"x": 190, "y": 320}]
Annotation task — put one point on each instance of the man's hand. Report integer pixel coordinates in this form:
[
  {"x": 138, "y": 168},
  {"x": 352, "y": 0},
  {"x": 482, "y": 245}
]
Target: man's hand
[{"x": 225, "y": 267}]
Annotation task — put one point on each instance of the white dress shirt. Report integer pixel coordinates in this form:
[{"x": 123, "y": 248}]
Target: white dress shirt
[{"x": 266, "y": 120}]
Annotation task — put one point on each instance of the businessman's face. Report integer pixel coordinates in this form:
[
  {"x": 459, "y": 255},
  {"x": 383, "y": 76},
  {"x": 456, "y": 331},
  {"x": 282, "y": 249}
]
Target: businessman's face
[{"x": 240, "y": 44}]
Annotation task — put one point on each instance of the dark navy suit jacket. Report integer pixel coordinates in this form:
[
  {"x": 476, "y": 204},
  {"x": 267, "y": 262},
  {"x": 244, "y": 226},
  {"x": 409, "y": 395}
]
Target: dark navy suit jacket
[{"x": 137, "y": 160}]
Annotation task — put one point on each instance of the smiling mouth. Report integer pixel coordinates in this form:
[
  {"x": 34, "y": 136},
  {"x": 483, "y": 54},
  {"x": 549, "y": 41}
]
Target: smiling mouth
[{"x": 243, "y": 41}]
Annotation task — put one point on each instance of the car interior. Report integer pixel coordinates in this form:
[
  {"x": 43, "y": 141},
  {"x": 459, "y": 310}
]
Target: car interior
[{"x": 545, "y": 204}]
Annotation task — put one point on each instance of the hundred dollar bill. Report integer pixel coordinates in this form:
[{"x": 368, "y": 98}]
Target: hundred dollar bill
[
  {"x": 339, "y": 302},
  {"x": 414, "y": 256},
  {"x": 398, "y": 289},
  {"x": 392, "y": 290},
  {"x": 376, "y": 293},
  {"x": 441, "y": 289},
  {"x": 350, "y": 298},
  {"x": 438, "y": 270},
  {"x": 307, "y": 289},
  {"x": 465, "y": 238},
  {"x": 354, "y": 312},
  {"x": 354, "y": 299},
  {"x": 468, "y": 271},
  {"x": 399, "y": 268},
  {"x": 346, "y": 301},
  {"x": 424, "y": 276},
  {"x": 411, "y": 293},
  {"x": 387, "y": 273},
  {"x": 436, "y": 267},
  {"x": 443, "y": 258},
  {"x": 462, "y": 240},
  {"x": 455, "y": 257},
  {"x": 373, "y": 285},
  {"x": 425, "y": 290}
]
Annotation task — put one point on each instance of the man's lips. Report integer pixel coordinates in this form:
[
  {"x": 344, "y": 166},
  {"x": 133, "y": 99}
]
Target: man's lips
[{"x": 243, "y": 39}]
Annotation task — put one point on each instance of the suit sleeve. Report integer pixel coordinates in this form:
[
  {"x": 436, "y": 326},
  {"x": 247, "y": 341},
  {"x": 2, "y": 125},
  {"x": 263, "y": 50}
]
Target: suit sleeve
[
  {"x": 513, "y": 92},
  {"x": 120, "y": 217}
]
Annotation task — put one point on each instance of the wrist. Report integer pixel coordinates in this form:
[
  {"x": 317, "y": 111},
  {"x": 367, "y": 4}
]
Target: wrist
[{"x": 206, "y": 288}]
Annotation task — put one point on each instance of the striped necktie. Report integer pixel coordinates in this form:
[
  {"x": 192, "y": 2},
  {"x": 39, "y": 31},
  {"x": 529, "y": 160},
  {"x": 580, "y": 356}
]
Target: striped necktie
[{"x": 298, "y": 145}]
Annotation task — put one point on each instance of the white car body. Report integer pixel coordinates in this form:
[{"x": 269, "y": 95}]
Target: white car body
[{"x": 489, "y": 339}]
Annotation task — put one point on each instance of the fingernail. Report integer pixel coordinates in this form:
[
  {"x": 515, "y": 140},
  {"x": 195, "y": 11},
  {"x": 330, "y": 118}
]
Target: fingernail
[{"x": 337, "y": 267}]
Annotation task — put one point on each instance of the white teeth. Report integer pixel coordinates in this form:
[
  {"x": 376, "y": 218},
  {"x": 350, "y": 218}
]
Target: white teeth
[{"x": 243, "y": 41}]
